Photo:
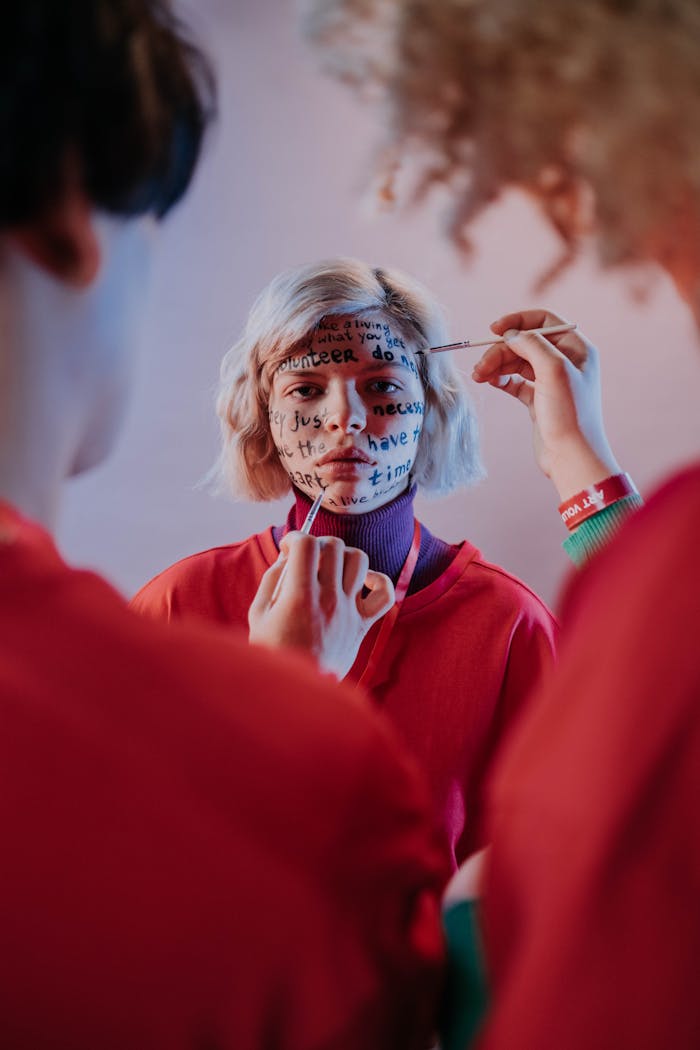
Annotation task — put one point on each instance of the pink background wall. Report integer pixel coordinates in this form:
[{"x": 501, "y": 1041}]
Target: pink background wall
[{"x": 282, "y": 183}]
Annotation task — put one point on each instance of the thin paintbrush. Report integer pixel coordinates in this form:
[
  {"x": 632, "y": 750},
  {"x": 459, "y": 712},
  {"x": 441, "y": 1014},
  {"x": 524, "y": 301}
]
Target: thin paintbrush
[
  {"x": 305, "y": 529},
  {"x": 555, "y": 329},
  {"x": 311, "y": 516}
]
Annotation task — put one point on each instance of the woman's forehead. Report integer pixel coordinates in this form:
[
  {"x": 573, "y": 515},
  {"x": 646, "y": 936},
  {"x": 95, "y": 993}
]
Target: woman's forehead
[
  {"x": 355, "y": 343},
  {"x": 315, "y": 359}
]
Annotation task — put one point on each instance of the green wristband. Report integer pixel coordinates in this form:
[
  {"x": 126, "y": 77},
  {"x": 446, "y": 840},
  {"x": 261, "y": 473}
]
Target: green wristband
[
  {"x": 595, "y": 532},
  {"x": 466, "y": 991}
]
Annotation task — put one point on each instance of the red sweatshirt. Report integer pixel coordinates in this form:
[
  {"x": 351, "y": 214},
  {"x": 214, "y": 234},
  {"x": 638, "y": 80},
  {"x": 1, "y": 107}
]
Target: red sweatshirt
[
  {"x": 461, "y": 660},
  {"x": 593, "y": 901},
  {"x": 203, "y": 844}
]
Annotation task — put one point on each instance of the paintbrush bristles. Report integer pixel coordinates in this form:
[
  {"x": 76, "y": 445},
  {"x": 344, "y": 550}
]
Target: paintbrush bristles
[{"x": 468, "y": 344}]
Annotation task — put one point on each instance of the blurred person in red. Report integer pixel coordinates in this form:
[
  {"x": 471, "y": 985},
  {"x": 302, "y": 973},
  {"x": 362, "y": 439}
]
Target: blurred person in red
[
  {"x": 204, "y": 843},
  {"x": 590, "y": 914}
]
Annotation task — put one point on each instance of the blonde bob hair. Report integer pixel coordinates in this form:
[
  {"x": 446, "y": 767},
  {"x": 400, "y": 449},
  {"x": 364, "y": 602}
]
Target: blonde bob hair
[{"x": 283, "y": 317}]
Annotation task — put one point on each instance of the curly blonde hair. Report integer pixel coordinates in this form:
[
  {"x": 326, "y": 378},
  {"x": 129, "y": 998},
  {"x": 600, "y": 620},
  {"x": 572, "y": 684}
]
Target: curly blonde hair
[
  {"x": 283, "y": 317},
  {"x": 593, "y": 107}
]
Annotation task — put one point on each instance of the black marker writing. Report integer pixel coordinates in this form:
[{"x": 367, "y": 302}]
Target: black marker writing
[
  {"x": 409, "y": 363},
  {"x": 390, "y": 474},
  {"x": 387, "y": 443},
  {"x": 277, "y": 419},
  {"x": 311, "y": 359},
  {"x": 300, "y": 420},
  {"x": 331, "y": 337},
  {"x": 309, "y": 480},
  {"x": 308, "y": 448},
  {"x": 400, "y": 408}
]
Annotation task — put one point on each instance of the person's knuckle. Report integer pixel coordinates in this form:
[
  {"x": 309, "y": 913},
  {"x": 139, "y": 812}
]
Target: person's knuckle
[
  {"x": 291, "y": 542},
  {"x": 331, "y": 545},
  {"x": 558, "y": 367},
  {"x": 304, "y": 546},
  {"x": 333, "y": 612},
  {"x": 360, "y": 560}
]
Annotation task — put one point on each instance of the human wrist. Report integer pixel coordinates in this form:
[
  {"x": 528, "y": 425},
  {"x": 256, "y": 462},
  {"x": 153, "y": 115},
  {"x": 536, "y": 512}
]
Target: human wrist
[
  {"x": 596, "y": 532},
  {"x": 594, "y": 498},
  {"x": 578, "y": 467}
]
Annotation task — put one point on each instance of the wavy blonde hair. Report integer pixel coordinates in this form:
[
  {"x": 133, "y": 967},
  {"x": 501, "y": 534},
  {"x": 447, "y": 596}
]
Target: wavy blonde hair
[
  {"x": 283, "y": 317},
  {"x": 593, "y": 107}
]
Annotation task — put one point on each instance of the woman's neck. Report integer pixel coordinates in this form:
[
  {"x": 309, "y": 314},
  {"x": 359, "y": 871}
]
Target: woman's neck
[{"x": 385, "y": 534}]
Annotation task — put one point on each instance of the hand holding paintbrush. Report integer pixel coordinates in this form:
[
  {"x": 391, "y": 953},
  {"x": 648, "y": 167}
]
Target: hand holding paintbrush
[
  {"x": 548, "y": 365},
  {"x": 305, "y": 531},
  {"x": 323, "y": 598}
]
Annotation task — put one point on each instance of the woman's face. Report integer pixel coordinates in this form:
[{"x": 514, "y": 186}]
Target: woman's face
[{"x": 346, "y": 412}]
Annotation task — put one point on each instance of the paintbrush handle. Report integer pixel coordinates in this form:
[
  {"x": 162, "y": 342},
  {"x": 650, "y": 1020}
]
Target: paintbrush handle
[
  {"x": 311, "y": 516},
  {"x": 467, "y": 344},
  {"x": 305, "y": 529}
]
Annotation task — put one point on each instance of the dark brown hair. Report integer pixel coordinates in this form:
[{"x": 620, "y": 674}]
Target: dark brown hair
[{"x": 113, "y": 87}]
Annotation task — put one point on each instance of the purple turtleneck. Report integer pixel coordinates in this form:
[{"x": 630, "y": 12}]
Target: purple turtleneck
[{"x": 385, "y": 534}]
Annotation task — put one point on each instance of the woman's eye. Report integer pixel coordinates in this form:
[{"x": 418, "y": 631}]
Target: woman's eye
[
  {"x": 384, "y": 386},
  {"x": 306, "y": 390}
]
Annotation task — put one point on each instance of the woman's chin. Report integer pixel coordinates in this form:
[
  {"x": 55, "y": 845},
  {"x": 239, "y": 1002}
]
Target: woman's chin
[{"x": 344, "y": 496}]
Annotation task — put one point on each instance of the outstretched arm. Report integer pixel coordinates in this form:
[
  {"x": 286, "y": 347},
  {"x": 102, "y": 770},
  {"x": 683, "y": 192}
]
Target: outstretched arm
[{"x": 557, "y": 378}]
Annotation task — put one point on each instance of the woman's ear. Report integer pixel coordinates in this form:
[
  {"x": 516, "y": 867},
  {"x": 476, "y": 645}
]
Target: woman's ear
[{"x": 63, "y": 240}]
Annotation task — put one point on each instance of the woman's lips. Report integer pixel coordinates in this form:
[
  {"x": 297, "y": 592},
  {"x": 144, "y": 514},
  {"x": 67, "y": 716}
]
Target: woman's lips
[
  {"x": 344, "y": 462},
  {"x": 345, "y": 455}
]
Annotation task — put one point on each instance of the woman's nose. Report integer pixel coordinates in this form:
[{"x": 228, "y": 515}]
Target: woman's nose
[{"x": 346, "y": 409}]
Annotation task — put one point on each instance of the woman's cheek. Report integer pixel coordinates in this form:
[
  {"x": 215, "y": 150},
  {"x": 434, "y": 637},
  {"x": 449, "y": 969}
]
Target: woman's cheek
[
  {"x": 396, "y": 425},
  {"x": 300, "y": 440}
]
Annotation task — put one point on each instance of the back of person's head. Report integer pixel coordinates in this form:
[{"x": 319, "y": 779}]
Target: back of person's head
[
  {"x": 106, "y": 92},
  {"x": 592, "y": 107},
  {"x": 284, "y": 316}
]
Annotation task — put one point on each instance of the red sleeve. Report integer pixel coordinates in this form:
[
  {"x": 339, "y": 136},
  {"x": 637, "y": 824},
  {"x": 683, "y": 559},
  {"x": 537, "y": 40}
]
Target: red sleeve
[
  {"x": 530, "y": 657},
  {"x": 391, "y": 867},
  {"x": 185, "y": 590},
  {"x": 156, "y": 599},
  {"x": 216, "y": 585},
  {"x": 204, "y": 842},
  {"x": 592, "y": 923}
]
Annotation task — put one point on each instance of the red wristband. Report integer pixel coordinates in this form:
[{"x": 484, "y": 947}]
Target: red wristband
[{"x": 589, "y": 501}]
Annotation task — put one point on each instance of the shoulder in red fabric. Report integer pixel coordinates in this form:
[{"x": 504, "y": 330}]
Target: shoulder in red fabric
[
  {"x": 204, "y": 844},
  {"x": 593, "y": 930}
]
